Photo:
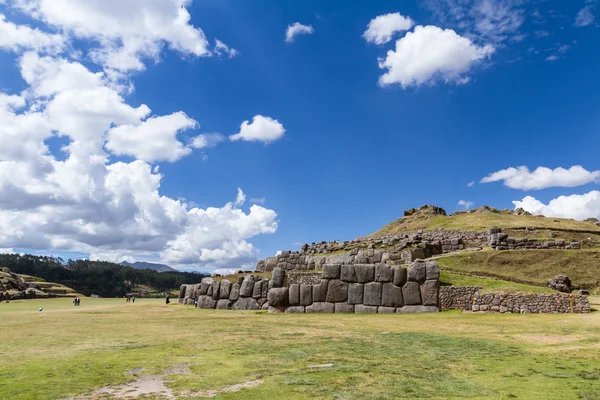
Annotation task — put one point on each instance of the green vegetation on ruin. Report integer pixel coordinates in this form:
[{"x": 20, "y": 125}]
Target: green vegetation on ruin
[
  {"x": 529, "y": 266},
  {"x": 489, "y": 284},
  {"x": 66, "y": 351}
]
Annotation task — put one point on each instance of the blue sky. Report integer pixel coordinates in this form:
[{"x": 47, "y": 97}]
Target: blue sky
[{"x": 475, "y": 88}]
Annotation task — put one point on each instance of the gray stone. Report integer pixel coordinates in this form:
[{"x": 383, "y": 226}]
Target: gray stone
[
  {"x": 331, "y": 271},
  {"x": 240, "y": 279},
  {"x": 417, "y": 271},
  {"x": 364, "y": 273},
  {"x": 215, "y": 289},
  {"x": 278, "y": 277},
  {"x": 561, "y": 283},
  {"x": 223, "y": 304},
  {"x": 320, "y": 291},
  {"x": 306, "y": 294},
  {"x": 225, "y": 289},
  {"x": 205, "y": 283},
  {"x": 416, "y": 309},
  {"x": 209, "y": 291},
  {"x": 400, "y": 276},
  {"x": 278, "y": 297},
  {"x": 235, "y": 292},
  {"x": 429, "y": 292},
  {"x": 344, "y": 308},
  {"x": 246, "y": 303},
  {"x": 265, "y": 306},
  {"x": 257, "y": 290},
  {"x": 355, "y": 293},
  {"x": 321, "y": 307},
  {"x": 391, "y": 296},
  {"x": 294, "y": 294},
  {"x": 372, "y": 296},
  {"x": 383, "y": 273},
  {"x": 295, "y": 310},
  {"x": 362, "y": 309},
  {"x": 337, "y": 291},
  {"x": 348, "y": 274},
  {"x": 432, "y": 270},
  {"x": 265, "y": 288},
  {"x": 206, "y": 302},
  {"x": 275, "y": 310},
  {"x": 247, "y": 286},
  {"x": 386, "y": 310},
  {"x": 411, "y": 293}
]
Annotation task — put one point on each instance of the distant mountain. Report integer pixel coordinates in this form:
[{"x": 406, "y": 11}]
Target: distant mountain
[{"x": 147, "y": 265}]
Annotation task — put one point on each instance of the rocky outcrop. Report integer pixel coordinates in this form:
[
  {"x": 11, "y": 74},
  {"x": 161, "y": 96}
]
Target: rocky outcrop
[
  {"x": 15, "y": 287},
  {"x": 561, "y": 283}
]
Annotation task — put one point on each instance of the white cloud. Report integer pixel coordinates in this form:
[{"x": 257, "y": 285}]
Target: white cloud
[
  {"x": 154, "y": 139},
  {"x": 297, "y": 29},
  {"x": 7, "y": 251},
  {"x": 576, "y": 206},
  {"x": 21, "y": 37},
  {"x": 585, "y": 16},
  {"x": 83, "y": 202},
  {"x": 206, "y": 140},
  {"x": 258, "y": 200},
  {"x": 241, "y": 198},
  {"x": 127, "y": 32},
  {"x": 542, "y": 177},
  {"x": 261, "y": 129},
  {"x": 471, "y": 184},
  {"x": 488, "y": 20},
  {"x": 429, "y": 54},
  {"x": 552, "y": 58},
  {"x": 465, "y": 204},
  {"x": 221, "y": 48},
  {"x": 381, "y": 29}
]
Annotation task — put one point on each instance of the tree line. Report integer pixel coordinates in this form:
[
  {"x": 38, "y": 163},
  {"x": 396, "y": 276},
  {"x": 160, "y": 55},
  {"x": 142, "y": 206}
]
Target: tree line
[{"x": 103, "y": 278}]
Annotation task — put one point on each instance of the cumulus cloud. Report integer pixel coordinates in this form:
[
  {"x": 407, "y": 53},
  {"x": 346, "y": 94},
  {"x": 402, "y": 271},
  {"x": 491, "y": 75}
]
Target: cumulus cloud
[
  {"x": 258, "y": 200},
  {"x": 82, "y": 201},
  {"x": 221, "y": 48},
  {"x": 154, "y": 139},
  {"x": 576, "y": 206},
  {"x": 381, "y": 29},
  {"x": 542, "y": 177},
  {"x": 261, "y": 129},
  {"x": 21, "y": 37},
  {"x": 465, "y": 204},
  {"x": 585, "y": 16},
  {"x": 297, "y": 29},
  {"x": 206, "y": 140},
  {"x": 127, "y": 32},
  {"x": 471, "y": 184},
  {"x": 429, "y": 54}
]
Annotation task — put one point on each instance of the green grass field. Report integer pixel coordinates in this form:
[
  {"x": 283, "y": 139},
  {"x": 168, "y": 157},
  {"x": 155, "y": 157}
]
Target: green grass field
[{"x": 64, "y": 352}]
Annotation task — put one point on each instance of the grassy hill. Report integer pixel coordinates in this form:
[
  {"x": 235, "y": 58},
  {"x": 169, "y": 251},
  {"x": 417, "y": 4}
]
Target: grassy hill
[
  {"x": 482, "y": 219},
  {"x": 529, "y": 266},
  {"x": 21, "y": 286}
]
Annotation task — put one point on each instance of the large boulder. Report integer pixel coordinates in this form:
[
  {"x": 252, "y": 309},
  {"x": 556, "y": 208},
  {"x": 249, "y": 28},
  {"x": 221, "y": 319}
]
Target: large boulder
[
  {"x": 343, "y": 308},
  {"x": 429, "y": 292},
  {"x": 331, "y": 271},
  {"x": 225, "y": 289},
  {"x": 247, "y": 287},
  {"x": 411, "y": 292},
  {"x": 432, "y": 270},
  {"x": 321, "y": 307},
  {"x": 391, "y": 295},
  {"x": 348, "y": 274},
  {"x": 245, "y": 303},
  {"x": 306, "y": 292},
  {"x": 383, "y": 273},
  {"x": 278, "y": 277},
  {"x": 223, "y": 304},
  {"x": 417, "y": 271},
  {"x": 355, "y": 293},
  {"x": 400, "y": 276},
  {"x": 294, "y": 294},
  {"x": 320, "y": 291},
  {"x": 278, "y": 297},
  {"x": 205, "y": 283},
  {"x": 372, "y": 295},
  {"x": 561, "y": 283},
  {"x": 257, "y": 290},
  {"x": 364, "y": 273},
  {"x": 337, "y": 291},
  {"x": 234, "y": 294},
  {"x": 215, "y": 289}
]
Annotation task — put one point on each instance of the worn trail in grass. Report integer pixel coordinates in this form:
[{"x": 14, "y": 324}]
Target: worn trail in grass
[{"x": 64, "y": 352}]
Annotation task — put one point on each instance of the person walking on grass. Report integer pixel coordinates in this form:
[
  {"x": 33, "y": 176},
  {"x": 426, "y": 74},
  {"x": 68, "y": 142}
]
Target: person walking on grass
[{"x": 167, "y": 301}]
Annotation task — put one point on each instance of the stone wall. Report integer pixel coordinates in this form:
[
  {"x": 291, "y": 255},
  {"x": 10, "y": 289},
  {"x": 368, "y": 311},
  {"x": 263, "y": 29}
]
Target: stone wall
[
  {"x": 248, "y": 293},
  {"x": 361, "y": 288},
  {"x": 305, "y": 278},
  {"x": 457, "y": 297},
  {"x": 501, "y": 241},
  {"x": 471, "y": 298}
]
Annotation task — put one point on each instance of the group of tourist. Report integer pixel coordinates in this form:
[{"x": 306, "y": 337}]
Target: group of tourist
[{"x": 76, "y": 301}]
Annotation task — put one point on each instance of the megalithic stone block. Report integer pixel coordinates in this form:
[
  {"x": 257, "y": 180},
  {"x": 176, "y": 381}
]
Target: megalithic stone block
[
  {"x": 429, "y": 292},
  {"x": 337, "y": 291},
  {"x": 372, "y": 295},
  {"x": 391, "y": 295},
  {"x": 215, "y": 289},
  {"x": 331, "y": 271},
  {"x": 400, "y": 276},
  {"x": 225, "y": 289},
  {"x": 355, "y": 293},
  {"x": 234, "y": 294},
  {"x": 306, "y": 294},
  {"x": 383, "y": 273},
  {"x": 278, "y": 277},
  {"x": 348, "y": 274},
  {"x": 257, "y": 290},
  {"x": 278, "y": 297},
  {"x": 364, "y": 273},
  {"x": 247, "y": 286},
  {"x": 432, "y": 270},
  {"x": 294, "y": 294},
  {"x": 320, "y": 291},
  {"x": 411, "y": 292},
  {"x": 417, "y": 271}
]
